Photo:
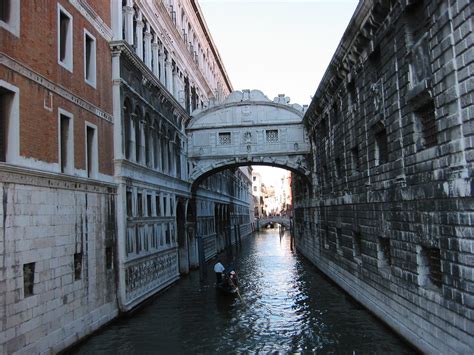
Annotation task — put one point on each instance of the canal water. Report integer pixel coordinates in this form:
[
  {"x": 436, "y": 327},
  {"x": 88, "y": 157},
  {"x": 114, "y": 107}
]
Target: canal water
[{"x": 287, "y": 305}]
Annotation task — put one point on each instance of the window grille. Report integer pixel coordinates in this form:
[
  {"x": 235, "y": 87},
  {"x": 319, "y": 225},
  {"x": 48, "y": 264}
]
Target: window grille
[
  {"x": 225, "y": 138},
  {"x": 272, "y": 136},
  {"x": 28, "y": 279}
]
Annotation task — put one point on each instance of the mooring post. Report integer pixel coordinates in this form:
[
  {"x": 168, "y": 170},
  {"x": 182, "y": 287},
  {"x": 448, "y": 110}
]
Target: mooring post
[{"x": 202, "y": 259}]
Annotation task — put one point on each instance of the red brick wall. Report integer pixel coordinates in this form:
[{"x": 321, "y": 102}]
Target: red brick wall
[{"x": 37, "y": 49}]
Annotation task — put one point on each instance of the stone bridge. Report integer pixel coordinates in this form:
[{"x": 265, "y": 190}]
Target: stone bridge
[
  {"x": 247, "y": 129},
  {"x": 283, "y": 220}
]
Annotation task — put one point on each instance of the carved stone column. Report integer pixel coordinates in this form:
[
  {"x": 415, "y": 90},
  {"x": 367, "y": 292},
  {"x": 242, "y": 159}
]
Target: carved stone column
[
  {"x": 169, "y": 74},
  {"x": 128, "y": 22},
  {"x": 161, "y": 59},
  {"x": 139, "y": 36},
  {"x": 155, "y": 55},
  {"x": 148, "y": 38}
]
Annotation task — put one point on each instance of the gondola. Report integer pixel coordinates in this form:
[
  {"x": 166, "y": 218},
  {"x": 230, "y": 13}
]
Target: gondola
[
  {"x": 228, "y": 285},
  {"x": 227, "y": 289}
]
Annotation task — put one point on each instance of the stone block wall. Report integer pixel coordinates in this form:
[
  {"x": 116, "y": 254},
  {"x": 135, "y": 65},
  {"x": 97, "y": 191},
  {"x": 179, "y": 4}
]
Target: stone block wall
[
  {"x": 390, "y": 212},
  {"x": 57, "y": 270}
]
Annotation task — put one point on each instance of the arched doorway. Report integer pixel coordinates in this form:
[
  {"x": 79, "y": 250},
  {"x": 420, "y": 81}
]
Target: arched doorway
[{"x": 183, "y": 251}]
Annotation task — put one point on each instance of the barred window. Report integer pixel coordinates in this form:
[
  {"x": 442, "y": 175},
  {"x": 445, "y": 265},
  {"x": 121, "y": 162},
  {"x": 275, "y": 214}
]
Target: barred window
[
  {"x": 429, "y": 267},
  {"x": 224, "y": 138},
  {"x": 272, "y": 135},
  {"x": 28, "y": 279},
  {"x": 426, "y": 126},
  {"x": 383, "y": 252},
  {"x": 381, "y": 147}
]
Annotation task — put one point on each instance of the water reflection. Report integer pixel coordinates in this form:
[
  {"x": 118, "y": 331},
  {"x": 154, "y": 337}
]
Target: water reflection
[{"x": 286, "y": 306}]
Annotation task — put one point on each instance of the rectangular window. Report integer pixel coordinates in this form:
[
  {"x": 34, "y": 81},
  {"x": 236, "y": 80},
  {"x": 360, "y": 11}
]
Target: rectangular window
[
  {"x": 383, "y": 253},
  {"x": 65, "y": 45},
  {"x": 355, "y": 164},
  {"x": 138, "y": 239},
  {"x": 165, "y": 212},
  {"x": 326, "y": 237},
  {"x": 357, "y": 245},
  {"x": 6, "y": 105},
  {"x": 139, "y": 204},
  {"x": 91, "y": 151},
  {"x": 28, "y": 279},
  {"x": 271, "y": 135},
  {"x": 157, "y": 205},
  {"x": 335, "y": 113},
  {"x": 66, "y": 140},
  {"x": 129, "y": 204},
  {"x": 77, "y": 266},
  {"x": 338, "y": 164},
  {"x": 225, "y": 138},
  {"x": 351, "y": 94},
  {"x": 323, "y": 127},
  {"x": 429, "y": 267},
  {"x": 167, "y": 235},
  {"x": 425, "y": 126},
  {"x": 148, "y": 206},
  {"x": 10, "y": 16},
  {"x": 381, "y": 147},
  {"x": 90, "y": 59},
  {"x": 5, "y": 6}
]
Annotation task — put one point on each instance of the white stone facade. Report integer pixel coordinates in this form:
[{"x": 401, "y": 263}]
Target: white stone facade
[{"x": 61, "y": 231}]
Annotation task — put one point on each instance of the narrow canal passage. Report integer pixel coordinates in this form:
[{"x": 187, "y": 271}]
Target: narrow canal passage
[{"x": 286, "y": 306}]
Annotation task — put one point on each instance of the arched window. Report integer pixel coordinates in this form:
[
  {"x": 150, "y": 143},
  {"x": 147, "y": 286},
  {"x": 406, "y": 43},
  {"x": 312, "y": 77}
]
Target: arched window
[
  {"x": 156, "y": 144},
  {"x": 127, "y": 126},
  {"x": 138, "y": 135},
  {"x": 178, "y": 156},
  {"x": 164, "y": 150},
  {"x": 170, "y": 153},
  {"x": 148, "y": 141}
]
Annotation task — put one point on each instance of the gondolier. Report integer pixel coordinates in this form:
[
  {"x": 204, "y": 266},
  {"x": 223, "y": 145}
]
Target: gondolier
[{"x": 219, "y": 269}]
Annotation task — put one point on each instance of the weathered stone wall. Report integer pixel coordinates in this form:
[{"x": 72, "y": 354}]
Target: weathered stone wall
[
  {"x": 390, "y": 212},
  {"x": 57, "y": 271}
]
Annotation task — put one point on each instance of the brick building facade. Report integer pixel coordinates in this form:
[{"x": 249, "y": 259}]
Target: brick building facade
[
  {"x": 57, "y": 232},
  {"x": 389, "y": 215}
]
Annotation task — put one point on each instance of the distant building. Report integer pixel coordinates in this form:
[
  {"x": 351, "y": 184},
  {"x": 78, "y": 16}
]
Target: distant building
[{"x": 257, "y": 193}]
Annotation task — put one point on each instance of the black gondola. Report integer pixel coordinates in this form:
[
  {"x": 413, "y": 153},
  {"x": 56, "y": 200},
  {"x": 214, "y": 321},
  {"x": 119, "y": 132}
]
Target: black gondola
[{"x": 228, "y": 285}]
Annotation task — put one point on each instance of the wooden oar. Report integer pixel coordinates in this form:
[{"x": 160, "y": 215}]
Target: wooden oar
[{"x": 233, "y": 284}]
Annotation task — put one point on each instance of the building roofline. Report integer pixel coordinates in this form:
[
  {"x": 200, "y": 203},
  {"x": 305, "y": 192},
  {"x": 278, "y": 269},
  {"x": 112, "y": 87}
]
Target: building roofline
[{"x": 207, "y": 33}]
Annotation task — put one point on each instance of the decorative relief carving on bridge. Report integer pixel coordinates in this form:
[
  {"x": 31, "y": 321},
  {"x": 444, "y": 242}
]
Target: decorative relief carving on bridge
[{"x": 145, "y": 275}]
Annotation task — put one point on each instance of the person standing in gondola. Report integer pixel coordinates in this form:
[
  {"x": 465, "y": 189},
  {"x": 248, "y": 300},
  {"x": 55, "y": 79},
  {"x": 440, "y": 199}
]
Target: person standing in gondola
[{"x": 219, "y": 269}]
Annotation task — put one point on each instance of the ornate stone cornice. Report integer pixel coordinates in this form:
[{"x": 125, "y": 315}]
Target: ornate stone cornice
[
  {"x": 28, "y": 73},
  {"x": 88, "y": 12},
  {"x": 122, "y": 48}
]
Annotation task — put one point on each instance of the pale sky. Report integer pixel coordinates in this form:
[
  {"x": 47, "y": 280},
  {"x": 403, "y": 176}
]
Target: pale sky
[
  {"x": 276, "y": 46},
  {"x": 279, "y": 47}
]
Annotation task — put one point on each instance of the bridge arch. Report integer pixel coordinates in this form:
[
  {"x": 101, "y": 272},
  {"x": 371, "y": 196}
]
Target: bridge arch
[{"x": 247, "y": 129}]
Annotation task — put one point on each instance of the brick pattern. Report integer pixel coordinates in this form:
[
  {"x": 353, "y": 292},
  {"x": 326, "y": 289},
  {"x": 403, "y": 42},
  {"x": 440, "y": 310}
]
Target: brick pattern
[
  {"x": 413, "y": 213},
  {"x": 36, "y": 49}
]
